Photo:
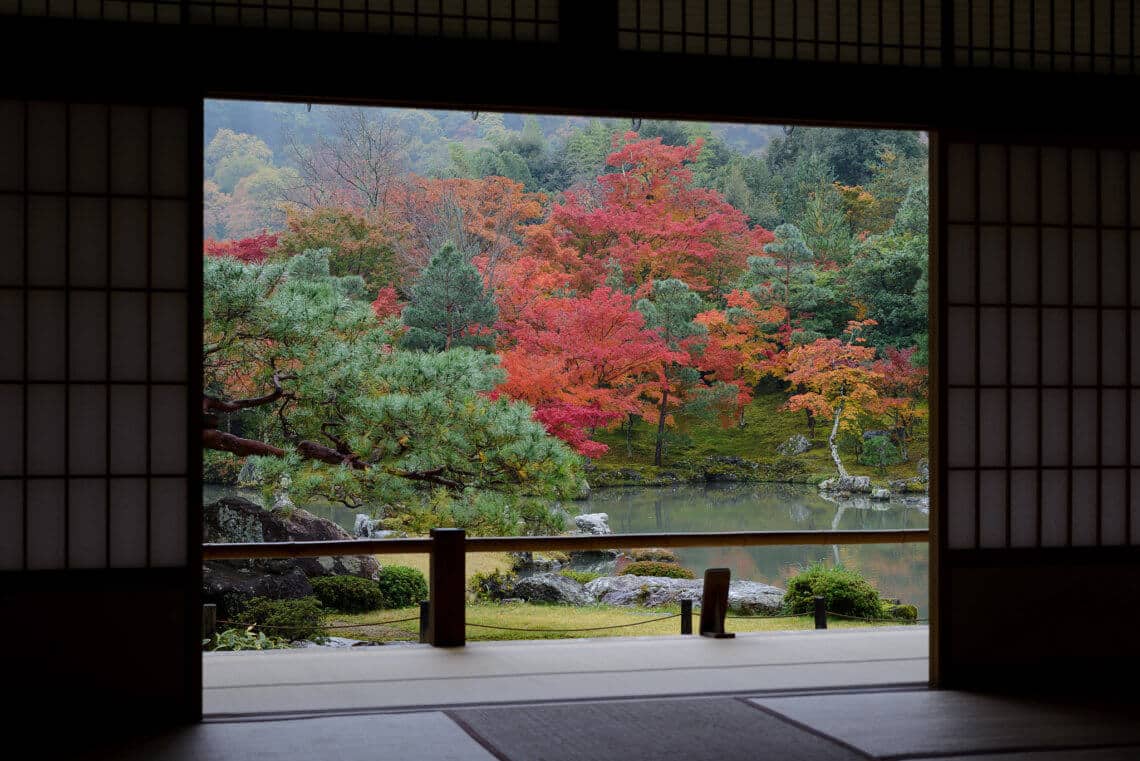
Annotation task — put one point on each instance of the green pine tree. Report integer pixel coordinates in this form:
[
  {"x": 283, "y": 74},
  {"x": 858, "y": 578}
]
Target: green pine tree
[{"x": 449, "y": 306}]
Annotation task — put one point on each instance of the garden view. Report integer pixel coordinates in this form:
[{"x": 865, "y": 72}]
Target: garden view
[{"x": 547, "y": 324}]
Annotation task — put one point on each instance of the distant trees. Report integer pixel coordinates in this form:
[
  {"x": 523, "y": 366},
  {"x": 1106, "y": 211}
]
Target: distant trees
[{"x": 448, "y": 305}]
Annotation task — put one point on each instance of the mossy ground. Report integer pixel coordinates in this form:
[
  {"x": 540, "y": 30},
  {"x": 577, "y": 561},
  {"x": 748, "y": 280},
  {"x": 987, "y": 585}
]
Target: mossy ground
[
  {"x": 766, "y": 427},
  {"x": 537, "y": 616}
]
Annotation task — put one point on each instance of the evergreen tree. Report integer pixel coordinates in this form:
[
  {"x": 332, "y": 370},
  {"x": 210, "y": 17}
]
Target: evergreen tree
[
  {"x": 784, "y": 277},
  {"x": 449, "y": 306}
]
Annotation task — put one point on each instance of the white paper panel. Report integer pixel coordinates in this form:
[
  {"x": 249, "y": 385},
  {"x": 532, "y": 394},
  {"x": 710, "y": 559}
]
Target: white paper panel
[
  {"x": 47, "y": 147},
  {"x": 87, "y": 341},
  {"x": 1114, "y": 427},
  {"x": 168, "y": 244},
  {"x": 960, "y": 337},
  {"x": 993, "y": 346},
  {"x": 1086, "y": 494},
  {"x": 128, "y": 150},
  {"x": 1113, "y": 507},
  {"x": 128, "y": 253},
  {"x": 1134, "y": 426},
  {"x": 128, "y": 336},
  {"x": 1054, "y": 266},
  {"x": 88, "y": 242},
  {"x": 128, "y": 522},
  {"x": 1085, "y": 362},
  {"x": 45, "y": 523},
  {"x": 47, "y": 247},
  {"x": 1054, "y": 427},
  {"x": 1055, "y": 358},
  {"x": 168, "y": 429},
  {"x": 992, "y": 508},
  {"x": 1023, "y": 346},
  {"x": 1084, "y": 173},
  {"x": 1085, "y": 427},
  {"x": 1023, "y": 508},
  {"x": 961, "y": 183},
  {"x": 128, "y": 429},
  {"x": 12, "y": 254},
  {"x": 1134, "y": 537},
  {"x": 1024, "y": 257},
  {"x": 993, "y": 428},
  {"x": 12, "y": 347},
  {"x": 87, "y": 523},
  {"x": 1084, "y": 269},
  {"x": 992, "y": 262},
  {"x": 1135, "y": 371},
  {"x": 169, "y": 503},
  {"x": 11, "y": 145},
  {"x": 1054, "y": 508},
  {"x": 47, "y": 335},
  {"x": 12, "y": 423},
  {"x": 1134, "y": 258},
  {"x": 47, "y": 412},
  {"x": 960, "y": 428},
  {"x": 87, "y": 430},
  {"x": 1114, "y": 347},
  {"x": 1114, "y": 268},
  {"x": 169, "y": 151},
  {"x": 168, "y": 337},
  {"x": 960, "y": 488},
  {"x": 12, "y": 519},
  {"x": 1054, "y": 186},
  {"x": 88, "y": 148},
  {"x": 1023, "y": 427},
  {"x": 960, "y": 264}
]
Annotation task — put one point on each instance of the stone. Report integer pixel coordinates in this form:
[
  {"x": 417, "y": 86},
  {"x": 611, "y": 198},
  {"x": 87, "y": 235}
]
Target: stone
[
  {"x": 909, "y": 486},
  {"x": 744, "y": 597},
  {"x": 336, "y": 642},
  {"x": 593, "y": 523},
  {"x": 552, "y": 587},
  {"x": 797, "y": 444},
  {"x": 868, "y": 435},
  {"x": 853, "y": 484},
  {"x": 229, "y": 586},
  {"x": 594, "y": 561},
  {"x": 924, "y": 469},
  {"x": 729, "y": 468},
  {"x": 528, "y": 563},
  {"x": 880, "y": 494},
  {"x": 583, "y": 490}
]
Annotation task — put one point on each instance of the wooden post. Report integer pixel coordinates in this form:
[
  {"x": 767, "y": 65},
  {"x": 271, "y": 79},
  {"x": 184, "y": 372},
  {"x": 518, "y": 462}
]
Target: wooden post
[
  {"x": 714, "y": 603},
  {"x": 820, "y": 612},
  {"x": 425, "y": 617},
  {"x": 209, "y": 621},
  {"x": 686, "y": 616},
  {"x": 446, "y": 624}
]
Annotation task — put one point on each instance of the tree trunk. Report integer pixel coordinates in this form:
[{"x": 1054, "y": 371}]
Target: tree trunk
[
  {"x": 628, "y": 435},
  {"x": 831, "y": 443},
  {"x": 661, "y": 427},
  {"x": 810, "y": 422}
]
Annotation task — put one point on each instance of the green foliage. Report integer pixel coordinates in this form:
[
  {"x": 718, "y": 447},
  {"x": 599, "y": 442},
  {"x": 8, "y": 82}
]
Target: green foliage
[
  {"x": 900, "y": 612},
  {"x": 888, "y": 276},
  {"x": 245, "y": 639},
  {"x": 655, "y": 554},
  {"x": 347, "y": 594},
  {"x": 292, "y": 619},
  {"x": 449, "y": 306},
  {"x": 492, "y": 585},
  {"x": 843, "y": 589},
  {"x": 582, "y": 577},
  {"x": 220, "y": 468},
  {"x": 402, "y": 587},
  {"x": 651, "y": 568},
  {"x": 879, "y": 452}
]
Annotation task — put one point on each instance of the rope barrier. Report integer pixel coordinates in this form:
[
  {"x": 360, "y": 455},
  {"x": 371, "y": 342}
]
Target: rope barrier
[
  {"x": 246, "y": 624},
  {"x": 899, "y": 621},
  {"x": 585, "y": 629}
]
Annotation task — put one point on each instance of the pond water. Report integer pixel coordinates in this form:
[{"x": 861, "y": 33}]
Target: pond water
[{"x": 897, "y": 571}]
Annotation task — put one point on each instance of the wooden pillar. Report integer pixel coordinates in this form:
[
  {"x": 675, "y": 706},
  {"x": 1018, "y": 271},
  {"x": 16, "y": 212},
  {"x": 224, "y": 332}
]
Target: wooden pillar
[
  {"x": 714, "y": 603},
  {"x": 447, "y": 596}
]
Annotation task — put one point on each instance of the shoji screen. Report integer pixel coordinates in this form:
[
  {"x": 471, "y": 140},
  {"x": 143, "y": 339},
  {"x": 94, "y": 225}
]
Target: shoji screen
[{"x": 94, "y": 368}]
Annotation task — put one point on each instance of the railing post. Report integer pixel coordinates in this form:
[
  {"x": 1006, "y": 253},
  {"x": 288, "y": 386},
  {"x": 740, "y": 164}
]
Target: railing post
[
  {"x": 820, "y": 612},
  {"x": 686, "y": 616},
  {"x": 714, "y": 603},
  {"x": 425, "y": 617},
  {"x": 209, "y": 621},
  {"x": 446, "y": 625}
]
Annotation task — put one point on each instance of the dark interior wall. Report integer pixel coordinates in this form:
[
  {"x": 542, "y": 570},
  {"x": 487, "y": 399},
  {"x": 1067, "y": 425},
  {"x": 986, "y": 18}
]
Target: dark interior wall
[{"x": 97, "y": 166}]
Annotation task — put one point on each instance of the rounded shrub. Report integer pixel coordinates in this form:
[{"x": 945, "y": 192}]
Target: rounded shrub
[
  {"x": 655, "y": 554},
  {"x": 348, "y": 594},
  {"x": 582, "y": 577},
  {"x": 844, "y": 590},
  {"x": 652, "y": 568},
  {"x": 291, "y": 619},
  {"x": 492, "y": 585},
  {"x": 401, "y": 586}
]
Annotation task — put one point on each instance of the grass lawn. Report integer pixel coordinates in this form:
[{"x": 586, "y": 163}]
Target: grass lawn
[
  {"x": 477, "y": 562},
  {"x": 536, "y": 616},
  {"x": 766, "y": 426}
]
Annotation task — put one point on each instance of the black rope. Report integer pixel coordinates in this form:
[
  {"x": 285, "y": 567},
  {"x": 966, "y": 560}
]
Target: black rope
[
  {"x": 247, "y": 625},
  {"x": 585, "y": 629}
]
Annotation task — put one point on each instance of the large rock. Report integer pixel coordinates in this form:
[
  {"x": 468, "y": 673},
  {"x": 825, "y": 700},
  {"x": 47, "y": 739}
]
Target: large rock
[
  {"x": 853, "y": 484},
  {"x": 552, "y": 587},
  {"x": 797, "y": 444},
  {"x": 745, "y": 597},
  {"x": 729, "y": 468},
  {"x": 229, "y": 583},
  {"x": 880, "y": 494},
  {"x": 593, "y": 523}
]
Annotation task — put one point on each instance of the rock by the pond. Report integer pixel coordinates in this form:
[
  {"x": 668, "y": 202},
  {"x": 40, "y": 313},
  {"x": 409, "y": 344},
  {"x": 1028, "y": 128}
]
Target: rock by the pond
[
  {"x": 527, "y": 563},
  {"x": 729, "y": 468},
  {"x": 909, "y": 486},
  {"x": 369, "y": 528},
  {"x": 552, "y": 587},
  {"x": 336, "y": 642},
  {"x": 594, "y": 561},
  {"x": 868, "y": 435},
  {"x": 593, "y": 523},
  {"x": 583, "y": 490},
  {"x": 853, "y": 484},
  {"x": 924, "y": 469},
  {"x": 748, "y": 597},
  {"x": 228, "y": 583},
  {"x": 880, "y": 494},
  {"x": 797, "y": 444}
]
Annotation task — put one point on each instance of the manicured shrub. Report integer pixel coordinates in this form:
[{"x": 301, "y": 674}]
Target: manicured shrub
[
  {"x": 900, "y": 612},
  {"x": 879, "y": 452},
  {"x": 492, "y": 585},
  {"x": 655, "y": 554},
  {"x": 402, "y": 587},
  {"x": 245, "y": 639},
  {"x": 845, "y": 591},
  {"x": 291, "y": 619},
  {"x": 582, "y": 577},
  {"x": 348, "y": 594},
  {"x": 651, "y": 568}
]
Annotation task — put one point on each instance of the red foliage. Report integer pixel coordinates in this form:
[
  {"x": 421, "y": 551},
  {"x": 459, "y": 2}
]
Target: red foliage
[
  {"x": 388, "y": 303},
  {"x": 569, "y": 423},
  {"x": 253, "y": 250}
]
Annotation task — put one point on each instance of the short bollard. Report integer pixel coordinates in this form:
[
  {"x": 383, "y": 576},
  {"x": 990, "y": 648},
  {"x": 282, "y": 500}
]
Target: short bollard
[
  {"x": 425, "y": 612},
  {"x": 209, "y": 621},
  {"x": 820, "y": 613},
  {"x": 686, "y": 616},
  {"x": 714, "y": 603}
]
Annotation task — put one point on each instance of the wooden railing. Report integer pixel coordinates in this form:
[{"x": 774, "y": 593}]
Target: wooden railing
[{"x": 448, "y": 548}]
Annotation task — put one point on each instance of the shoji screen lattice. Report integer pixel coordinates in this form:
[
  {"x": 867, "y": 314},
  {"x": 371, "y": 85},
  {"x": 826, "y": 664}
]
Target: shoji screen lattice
[
  {"x": 94, "y": 368},
  {"x": 1042, "y": 370}
]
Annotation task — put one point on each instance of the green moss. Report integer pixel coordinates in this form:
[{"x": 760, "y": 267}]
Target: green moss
[{"x": 652, "y": 568}]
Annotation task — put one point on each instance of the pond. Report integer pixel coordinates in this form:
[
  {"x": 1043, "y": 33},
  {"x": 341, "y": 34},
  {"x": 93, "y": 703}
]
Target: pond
[{"x": 897, "y": 571}]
